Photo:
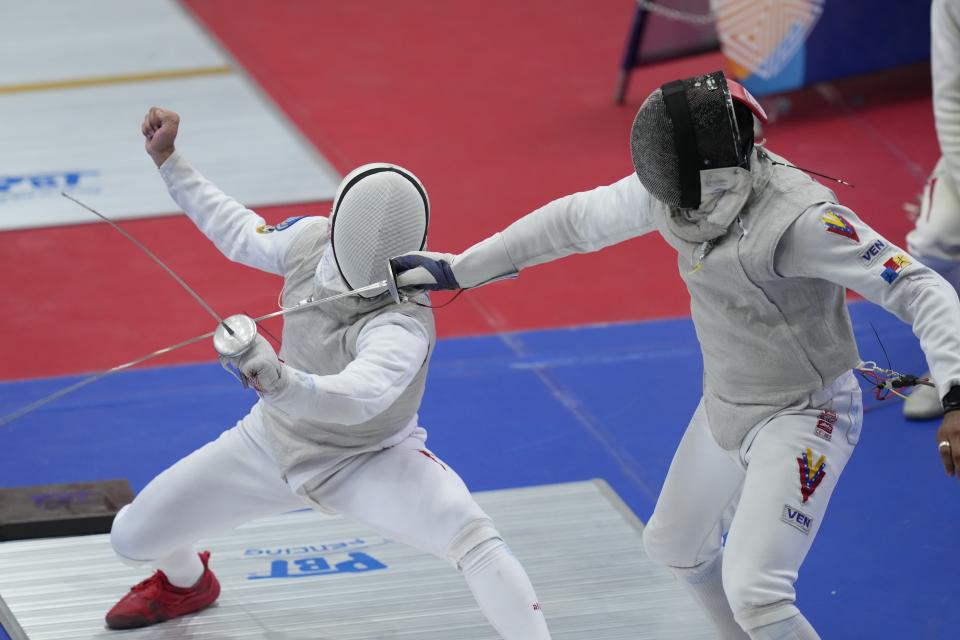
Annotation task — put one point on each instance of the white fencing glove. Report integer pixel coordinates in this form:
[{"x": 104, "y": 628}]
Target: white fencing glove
[
  {"x": 260, "y": 365},
  {"x": 425, "y": 270}
]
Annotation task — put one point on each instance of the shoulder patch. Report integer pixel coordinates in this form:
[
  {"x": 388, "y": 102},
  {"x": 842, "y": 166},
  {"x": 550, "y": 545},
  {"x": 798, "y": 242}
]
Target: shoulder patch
[
  {"x": 893, "y": 267},
  {"x": 289, "y": 222},
  {"x": 286, "y": 224},
  {"x": 836, "y": 223}
]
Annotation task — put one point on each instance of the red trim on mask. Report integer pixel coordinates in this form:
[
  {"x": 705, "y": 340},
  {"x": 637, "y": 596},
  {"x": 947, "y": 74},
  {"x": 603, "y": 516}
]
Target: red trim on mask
[{"x": 739, "y": 93}]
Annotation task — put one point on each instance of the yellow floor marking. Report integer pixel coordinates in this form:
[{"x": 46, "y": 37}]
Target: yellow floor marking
[{"x": 115, "y": 79}]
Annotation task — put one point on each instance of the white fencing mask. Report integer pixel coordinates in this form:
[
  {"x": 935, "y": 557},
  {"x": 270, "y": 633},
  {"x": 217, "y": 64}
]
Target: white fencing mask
[{"x": 380, "y": 211}]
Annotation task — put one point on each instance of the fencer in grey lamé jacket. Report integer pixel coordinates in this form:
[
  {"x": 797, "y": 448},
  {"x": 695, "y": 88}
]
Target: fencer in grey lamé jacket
[{"x": 767, "y": 341}]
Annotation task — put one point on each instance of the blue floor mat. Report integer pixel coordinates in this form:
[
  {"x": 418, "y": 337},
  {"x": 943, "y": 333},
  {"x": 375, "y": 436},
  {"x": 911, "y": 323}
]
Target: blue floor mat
[{"x": 553, "y": 406}]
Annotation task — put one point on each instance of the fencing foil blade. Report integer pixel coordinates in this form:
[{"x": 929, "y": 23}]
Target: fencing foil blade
[
  {"x": 153, "y": 257},
  {"x": 307, "y": 304}
]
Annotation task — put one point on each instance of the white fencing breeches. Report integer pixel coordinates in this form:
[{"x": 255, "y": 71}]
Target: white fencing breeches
[
  {"x": 404, "y": 492},
  {"x": 408, "y": 494},
  {"x": 770, "y": 497}
]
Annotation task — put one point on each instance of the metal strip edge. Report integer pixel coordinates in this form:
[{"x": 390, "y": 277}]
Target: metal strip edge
[
  {"x": 10, "y": 624},
  {"x": 617, "y": 502}
]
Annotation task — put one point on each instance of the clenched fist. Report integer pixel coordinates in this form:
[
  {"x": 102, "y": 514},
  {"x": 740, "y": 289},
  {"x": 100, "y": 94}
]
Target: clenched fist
[
  {"x": 261, "y": 367},
  {"x": 160, "y": 130}
]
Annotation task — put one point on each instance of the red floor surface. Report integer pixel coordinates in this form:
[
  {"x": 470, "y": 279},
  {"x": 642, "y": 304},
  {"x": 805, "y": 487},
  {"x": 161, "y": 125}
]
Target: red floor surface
[{"x": 499, "y": 107}]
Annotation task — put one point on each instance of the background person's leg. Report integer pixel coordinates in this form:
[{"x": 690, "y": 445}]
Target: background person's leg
[{"x": 936, "y": 243}]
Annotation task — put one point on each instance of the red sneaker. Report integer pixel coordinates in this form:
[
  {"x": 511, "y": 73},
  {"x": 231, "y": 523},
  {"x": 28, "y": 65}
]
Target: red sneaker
[{"x": 155, "y": 599}]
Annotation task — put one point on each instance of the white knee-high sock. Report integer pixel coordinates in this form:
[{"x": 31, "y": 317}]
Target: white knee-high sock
[
  {"x": 182, "y": 567},
  {"x": 705, "y": 584},
  {"x": 794, "y": 628},
  {"x": 504, "y": 592}
]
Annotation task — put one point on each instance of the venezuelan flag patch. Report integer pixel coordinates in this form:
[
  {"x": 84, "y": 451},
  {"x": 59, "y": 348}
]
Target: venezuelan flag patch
[
  {"x": 811, "y": 473},
  {"x": 836, "y": 223}
]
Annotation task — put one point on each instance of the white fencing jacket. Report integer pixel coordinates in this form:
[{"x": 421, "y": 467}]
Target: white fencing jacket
[{"x": 357, "y": 369}]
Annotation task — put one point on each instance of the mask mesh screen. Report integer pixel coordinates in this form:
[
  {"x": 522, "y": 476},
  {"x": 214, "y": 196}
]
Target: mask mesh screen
[
  {"x": 651, "y": 137},
  {"x": 382, "y": 215}
]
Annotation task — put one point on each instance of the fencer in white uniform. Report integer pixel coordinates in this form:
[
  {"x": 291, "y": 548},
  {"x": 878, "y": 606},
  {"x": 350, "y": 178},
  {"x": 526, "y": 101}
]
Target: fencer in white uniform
[
  {"x": 935, "y": 240},
  {"x": 335, "y": 427},
  {"x": 766, "y": 254}
]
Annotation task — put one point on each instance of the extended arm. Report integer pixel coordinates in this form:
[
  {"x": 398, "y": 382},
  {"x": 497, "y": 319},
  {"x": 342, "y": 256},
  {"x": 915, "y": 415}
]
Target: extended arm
[{"x": 578, "y": 223}]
